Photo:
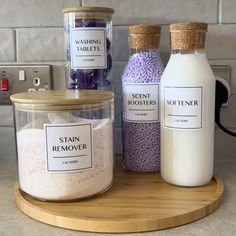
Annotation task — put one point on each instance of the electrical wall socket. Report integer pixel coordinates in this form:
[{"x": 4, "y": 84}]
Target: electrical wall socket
[
  {"x": 22, "y": 78},
  {"x": 224, "y": 72}
]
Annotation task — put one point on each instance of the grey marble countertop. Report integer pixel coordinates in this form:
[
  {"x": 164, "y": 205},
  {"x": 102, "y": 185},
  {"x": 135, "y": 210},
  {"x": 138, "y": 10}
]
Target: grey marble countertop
[{"x": 13, "y": 222}]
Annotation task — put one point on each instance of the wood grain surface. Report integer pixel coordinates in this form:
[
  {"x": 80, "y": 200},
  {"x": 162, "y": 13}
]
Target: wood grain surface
[{"x": 135, "y": 203}]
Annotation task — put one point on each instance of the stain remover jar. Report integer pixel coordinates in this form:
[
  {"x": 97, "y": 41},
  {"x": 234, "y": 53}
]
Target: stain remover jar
[{"x": 64, "y": 143}]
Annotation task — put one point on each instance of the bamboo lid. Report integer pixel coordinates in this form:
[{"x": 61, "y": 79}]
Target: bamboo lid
[
  {"x": 63, "y": 97},
  {"x": 89, "y": 9},
  {"x": 144, "y": 36},
  {"x": 188, "y": 35}
]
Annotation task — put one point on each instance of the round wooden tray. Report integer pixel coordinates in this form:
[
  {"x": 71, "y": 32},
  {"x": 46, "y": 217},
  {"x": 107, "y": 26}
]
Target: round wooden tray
[{"x": 135, "y": 203}]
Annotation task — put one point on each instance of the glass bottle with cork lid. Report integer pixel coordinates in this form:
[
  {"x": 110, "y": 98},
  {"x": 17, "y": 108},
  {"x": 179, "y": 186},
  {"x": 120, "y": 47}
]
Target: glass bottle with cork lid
[
  {"x": 187, "y": 108},
  {"x": 140, "y": 85}
]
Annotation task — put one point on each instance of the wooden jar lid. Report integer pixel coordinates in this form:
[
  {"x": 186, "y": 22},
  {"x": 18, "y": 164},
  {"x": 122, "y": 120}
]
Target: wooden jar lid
[
  {"x": 63, "y": 97},
  {"x": 188, "y": 35},
  {"x": 144, "y": 36},
  {"x": 89, "y": 9}
]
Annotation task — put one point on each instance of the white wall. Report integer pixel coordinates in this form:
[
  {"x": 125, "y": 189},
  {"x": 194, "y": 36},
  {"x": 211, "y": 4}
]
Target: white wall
[{"x": 32, "y": 31}]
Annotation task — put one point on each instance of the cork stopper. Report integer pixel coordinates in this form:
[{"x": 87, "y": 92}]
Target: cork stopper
[
  {"x": 144, "y": 36},
  {"x": 188, "y": 35}
]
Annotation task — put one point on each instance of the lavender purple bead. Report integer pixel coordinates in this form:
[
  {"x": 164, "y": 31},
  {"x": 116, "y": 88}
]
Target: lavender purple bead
[
  {"x": 143, "y": 67},
  {"x": 141, "y": 141},
  {"x": 141, "y": 146}
]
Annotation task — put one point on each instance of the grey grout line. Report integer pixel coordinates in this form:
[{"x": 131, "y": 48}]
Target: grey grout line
[
  {"x": 114, "y": 25},
  {"x": 120, "y": 127},
  {"x": 221, "y": 59},
  {"x": 167, "y": 25},
  {"x": 220, "y": 11},
  {"x": 15, "y": 45},
  {"x": 210, "y": 59}
]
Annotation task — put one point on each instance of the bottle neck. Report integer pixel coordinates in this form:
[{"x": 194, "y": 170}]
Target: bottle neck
[
  {"x": 187, "y": 51},
  {"x": 133, "y": 51}
]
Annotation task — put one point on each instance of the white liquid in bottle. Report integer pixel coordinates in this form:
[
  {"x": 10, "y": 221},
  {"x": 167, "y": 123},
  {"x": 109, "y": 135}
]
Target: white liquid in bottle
[{"x": 187, "y": 127}]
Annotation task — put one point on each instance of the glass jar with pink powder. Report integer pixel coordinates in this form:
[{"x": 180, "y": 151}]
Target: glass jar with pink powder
[{"x": 64, "y": 143}]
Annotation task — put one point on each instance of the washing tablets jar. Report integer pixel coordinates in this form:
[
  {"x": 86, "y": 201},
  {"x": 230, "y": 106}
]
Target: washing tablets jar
[
  {"x": 88, "y": 41},
  {"x": 64, "y": 143}
]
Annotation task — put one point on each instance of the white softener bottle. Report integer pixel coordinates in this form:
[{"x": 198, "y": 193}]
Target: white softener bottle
[{"x": 187, "y": 107}]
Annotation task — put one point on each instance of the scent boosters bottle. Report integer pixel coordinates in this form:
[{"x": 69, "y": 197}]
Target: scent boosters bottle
[
  {"x": 140, "y": 87},
  {"x": 187, "y": 108}
]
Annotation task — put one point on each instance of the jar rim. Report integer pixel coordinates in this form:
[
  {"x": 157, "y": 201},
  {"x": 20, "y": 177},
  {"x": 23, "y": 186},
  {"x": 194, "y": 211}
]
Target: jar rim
[
  {"x": 63, "y": 97},
  {"x": 89, "y": 9}
]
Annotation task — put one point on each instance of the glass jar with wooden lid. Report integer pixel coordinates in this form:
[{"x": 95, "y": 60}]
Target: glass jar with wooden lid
[
  {"x": 64, "y": 143},
  {"x": 88, "y": 40}
]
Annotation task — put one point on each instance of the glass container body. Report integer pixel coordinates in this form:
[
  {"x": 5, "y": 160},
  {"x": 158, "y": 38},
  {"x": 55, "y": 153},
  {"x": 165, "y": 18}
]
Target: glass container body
[
  {"x": 65, "y": 152},
  {"x": 88, "y": 42},
  {"x": 187, "y": 119},
  {"x": 141, "y": 121}
]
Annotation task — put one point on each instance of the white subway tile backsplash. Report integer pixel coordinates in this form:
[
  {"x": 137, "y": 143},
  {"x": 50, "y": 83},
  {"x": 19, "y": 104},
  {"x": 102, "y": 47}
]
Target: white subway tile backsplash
[
  {"x": 7, "y": 45},
  {"x": 165, "y": 44},
  {"x": 118, "y": 140},
  {"x": 40, "y": 44},
  {"x": 33, "y": 13},
  {"x": 116, "y": 76},
  {"x": 59, "y": 80},
  {"x": 220, "y": 43},
  {"x": 120, "y": 43},
  {"x": 225, "y": 147},
  {"x": 6, "y": 115},
  {"x": 31, "y": 32},
  {"x": 159, "y": 11},
  {"x": 118, "y": 109},
  {"x": 227, "y": 11},
  {"x": 7, "y": 143}
]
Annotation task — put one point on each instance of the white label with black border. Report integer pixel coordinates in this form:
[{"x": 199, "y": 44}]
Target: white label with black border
[
  {"x": 141, "y": 102},
  {"x": 183, "y": 107},
  {"x": 68, "y": 147},
  {"x": 88, "y": 48}
]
